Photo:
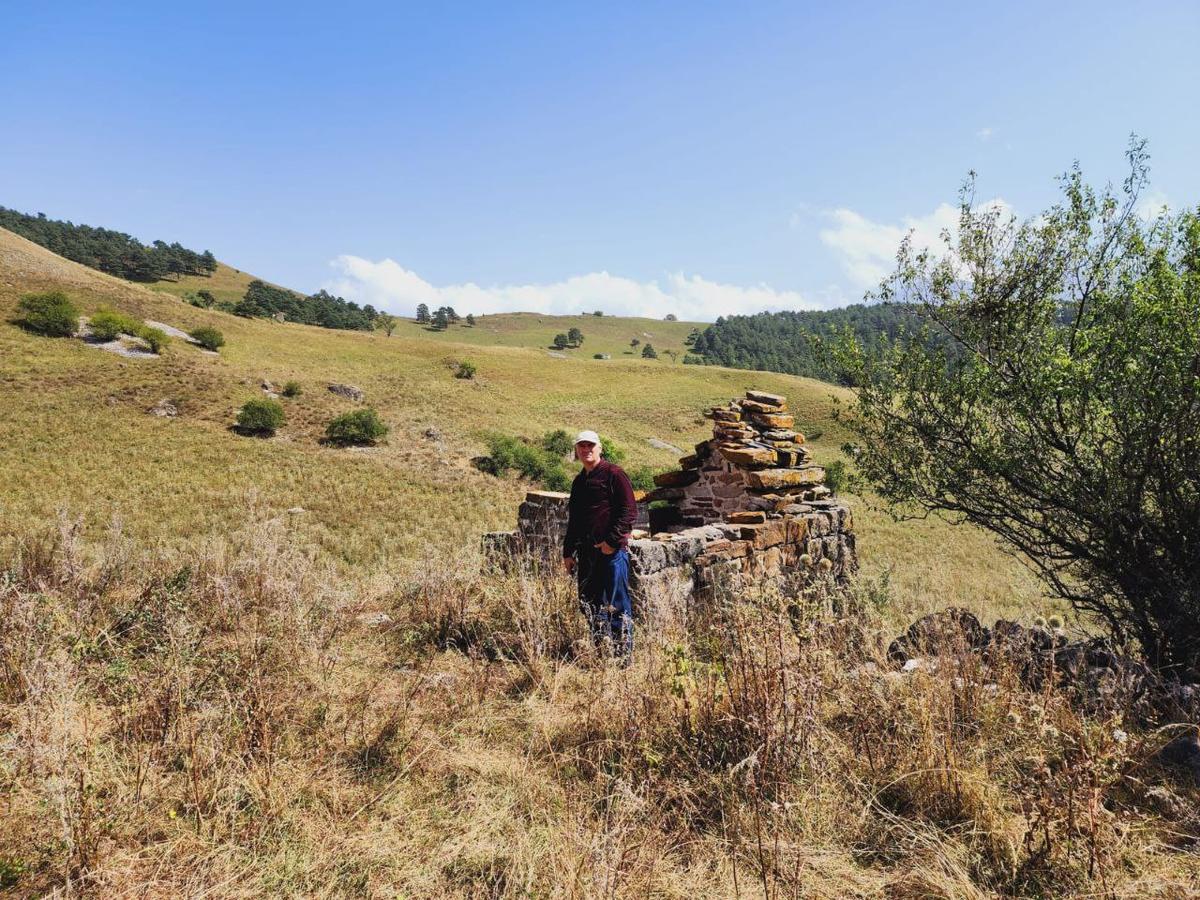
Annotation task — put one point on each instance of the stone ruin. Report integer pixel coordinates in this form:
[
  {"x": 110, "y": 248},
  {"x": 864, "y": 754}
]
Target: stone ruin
[{"x": 747, "y": 508}]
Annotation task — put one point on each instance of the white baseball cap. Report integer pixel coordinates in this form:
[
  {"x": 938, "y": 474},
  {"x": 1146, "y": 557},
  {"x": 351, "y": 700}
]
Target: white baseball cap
[{"x": 589, "y": 436}]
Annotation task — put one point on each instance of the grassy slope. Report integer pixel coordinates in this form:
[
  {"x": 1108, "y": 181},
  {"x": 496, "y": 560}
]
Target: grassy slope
[
  {"x": 391, "y": 771},
  {"x": 75, "y": 434},
  {"x": 227, "y": 283}
]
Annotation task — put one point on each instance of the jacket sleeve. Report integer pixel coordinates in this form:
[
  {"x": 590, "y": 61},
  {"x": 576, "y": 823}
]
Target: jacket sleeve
[
  {"x": 574, "y": 522},
  {"x": 624, "y": 509}
]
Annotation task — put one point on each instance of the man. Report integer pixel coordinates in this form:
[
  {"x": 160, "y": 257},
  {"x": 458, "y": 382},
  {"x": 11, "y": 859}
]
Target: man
[{"x": 600, "y": 516}]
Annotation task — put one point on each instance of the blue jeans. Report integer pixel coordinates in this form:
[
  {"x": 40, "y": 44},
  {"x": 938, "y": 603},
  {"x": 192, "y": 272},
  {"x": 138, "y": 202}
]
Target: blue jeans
[{"x": 604, "y": 598}]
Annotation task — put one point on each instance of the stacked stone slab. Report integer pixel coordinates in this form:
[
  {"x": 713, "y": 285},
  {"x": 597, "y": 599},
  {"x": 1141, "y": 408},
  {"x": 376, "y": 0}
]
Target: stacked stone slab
[
  {"x": 755, "y": 460},
  {"x": 746, "y": 509}
]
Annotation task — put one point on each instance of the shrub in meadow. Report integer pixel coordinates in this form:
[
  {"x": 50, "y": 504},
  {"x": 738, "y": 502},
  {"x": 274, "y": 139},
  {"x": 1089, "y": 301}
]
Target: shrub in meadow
[
  {"x": 260, "y": 417},
  {"x": 51, "y": 313},
  {"x": 361, "y": 427},
  {"x": 208, "y": 337}
]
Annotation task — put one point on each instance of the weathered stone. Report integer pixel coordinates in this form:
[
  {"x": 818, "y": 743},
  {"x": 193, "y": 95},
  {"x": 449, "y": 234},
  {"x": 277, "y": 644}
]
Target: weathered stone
[
  {"x": 546, "y": 498},
  {"x": 747, "y": 518},
  {"x": 797, "y": 530},
  {"x": 681, "y": 478},
  {"x": 164, "y": 409},
  {"x": 949, "y": 631},
  {"x": 764, "y": 397},
  {"x": 773, "y": 420},
  {"x": 790, "y": 458},
  {"x": 664, "y": 493},
  {"x": 783, "y": 434},
  {"x": 721, "y": 414},
  {"x": 750, "y": 456},
  {"x": 348, "y": 390},
  {"x": 757, "y": 409},
  {"x": 691, "y": 461},
  {"x": 779, "y": 478}
]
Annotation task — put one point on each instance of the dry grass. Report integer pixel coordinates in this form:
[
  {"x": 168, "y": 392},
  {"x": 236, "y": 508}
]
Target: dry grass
[{"x": 224, "y": 723}]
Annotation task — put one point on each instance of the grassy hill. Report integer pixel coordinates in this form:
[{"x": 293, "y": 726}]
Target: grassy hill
[
  {"x": 204, "y": 694},
  {"x": 76, "y": 433},
  {"x": 225, "y": 284}
]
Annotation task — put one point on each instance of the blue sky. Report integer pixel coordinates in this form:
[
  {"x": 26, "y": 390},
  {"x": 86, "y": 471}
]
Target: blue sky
[{"x": 645, "y": 157}]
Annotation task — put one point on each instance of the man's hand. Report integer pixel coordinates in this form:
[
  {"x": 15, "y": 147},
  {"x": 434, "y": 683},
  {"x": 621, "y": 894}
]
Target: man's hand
[
  {"x": 569, "y": 564},
  {"x": 605, "y": 548}
]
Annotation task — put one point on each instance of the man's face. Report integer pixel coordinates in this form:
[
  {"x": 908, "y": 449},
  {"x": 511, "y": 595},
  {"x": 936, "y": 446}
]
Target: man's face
[{"x": 587, "y": 453}]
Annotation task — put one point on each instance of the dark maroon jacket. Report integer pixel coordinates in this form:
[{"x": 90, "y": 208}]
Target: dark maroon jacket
[{"x": 601, "y": 508}]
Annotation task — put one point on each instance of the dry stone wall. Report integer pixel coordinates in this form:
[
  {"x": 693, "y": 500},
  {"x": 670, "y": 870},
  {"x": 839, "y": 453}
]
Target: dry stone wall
[{"x": 747, "y": 508}]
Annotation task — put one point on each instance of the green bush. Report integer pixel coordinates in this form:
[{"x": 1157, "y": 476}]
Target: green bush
[
  {"x": 558, "y": 442},
  {"x": 466, "y": 369},
  {"x": 156, "y": 339},
  {"x": 836, "y": 476},
  {"x": 51, "y": 313},
  {"x": 292, "y": 389},
  {"x": 106, "y": 325},
  {"x": 362, "y": 426},
  {"x": 260, "y": 416},
  {"x": 542, "y": 464},
  {"x": 208, "y": 337},
  {"x": 641, "y": 477}
]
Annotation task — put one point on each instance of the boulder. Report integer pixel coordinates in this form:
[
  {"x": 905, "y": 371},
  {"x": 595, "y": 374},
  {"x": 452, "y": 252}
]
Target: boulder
[
  {"x": 164, "y": 409},
  {"x": 1182, "y": 753},
  {"x": 952, "y": 630},
  {"x": 348, "y": 391}
]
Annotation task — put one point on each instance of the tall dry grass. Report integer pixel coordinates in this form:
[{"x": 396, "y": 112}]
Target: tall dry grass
[{"x": 243, "y": 721}]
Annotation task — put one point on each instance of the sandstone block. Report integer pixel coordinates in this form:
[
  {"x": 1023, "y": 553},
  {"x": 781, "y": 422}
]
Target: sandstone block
[
  {"x": 692, "y": 461},
  {"x": 724, "y": 414},
  {"x": 797, "y": 530},
  {"x": 747, "y": 518},
  {"x": 755, "y": 408},
  {"x": 764, "y": 397},
  {"x": 780, "y": 478},
  {"x": 750, "y": 456},
  {"x": 681, "y": 478},
  {"x": 783, "y": 434},
  {"x": 773, "y": 420},
  {"x": 546, "y": 498}
]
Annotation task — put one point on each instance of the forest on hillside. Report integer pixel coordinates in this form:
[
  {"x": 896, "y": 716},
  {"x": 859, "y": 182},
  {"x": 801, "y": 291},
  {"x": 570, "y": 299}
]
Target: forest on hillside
[
  {"x": 790, "y": 342},
  {"x": 322, "y": 308},
  {"x": 113, "y": 252}
]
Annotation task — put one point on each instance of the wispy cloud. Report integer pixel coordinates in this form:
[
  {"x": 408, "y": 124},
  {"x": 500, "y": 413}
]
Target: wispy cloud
[
  {"x": 1152, "y": 205},
  {"x": 986, "y": 133},
  {"x": 387, "y": 285},
  {"x": 867, "y": 249}
]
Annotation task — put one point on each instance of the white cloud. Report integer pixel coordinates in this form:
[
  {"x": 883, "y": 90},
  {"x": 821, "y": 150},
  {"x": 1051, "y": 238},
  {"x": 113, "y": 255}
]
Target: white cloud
[
  {"x": 867, "y": 249},
  {"x": 1151, "y": 206},
  {"x": 985, "y": 134},
  {"x": 389, "y": 286}
]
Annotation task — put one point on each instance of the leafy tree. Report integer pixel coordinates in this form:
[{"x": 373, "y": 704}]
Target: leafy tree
[
  {"x": 51, "y": 313},
  {"x": 452, "y": 315},
  {"x": 441, "y": 321},
  {"x": 386, "y": 323},
  {"x": 260, "y": 417},
  {"x": 1068, "y": 424},
  {"x": 634, "y": 343},
  {"x": 359, "y": 427},
  {"x": 574, "y": 337},
  {"x": 423, "y": 313},
  {"x": 558, "y": 442},
  {"x": 208, "y": 337},
  {"x": 598, "y": 313},
  {"x": 670, "y": 317},
  {"x": 470, "y": 320},
  {"x": 648, "y": 352},
  {"x": 561, "y": 341}
]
